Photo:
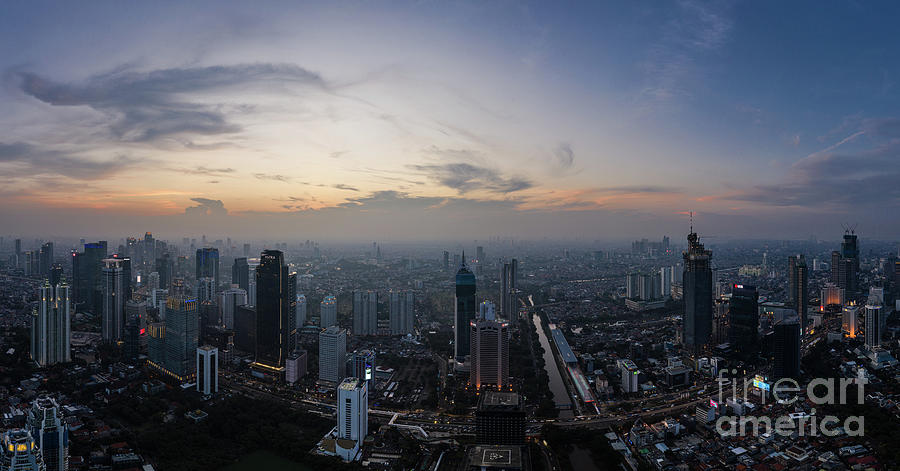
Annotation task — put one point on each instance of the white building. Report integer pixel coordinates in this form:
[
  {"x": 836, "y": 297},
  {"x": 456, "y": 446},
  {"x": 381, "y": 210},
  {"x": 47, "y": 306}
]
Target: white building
[
  {"x": 295, "y": 367},
  {"x": 630, "y": 376},
  {"x": 207, "y": 370},
  {"x": 352, "y": 417},
  {"x": 228, "y": 300},
  {"x": 20, "y": 452},
  {"x": 332, "y": 354},
  {"x": 365, "y": 313},
  {"x": 489, "y": 353},
  {"x": 402, "y": 312},
  {"x": 206, "y": 289},
  {"x": 300, "y": 317},
  {"x": 328, "y": 312},
  {"x": 51, "y": 326}
]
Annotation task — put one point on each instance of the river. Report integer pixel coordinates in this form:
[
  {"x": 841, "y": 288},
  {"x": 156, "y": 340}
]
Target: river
[{"x": 557, "y": 387}]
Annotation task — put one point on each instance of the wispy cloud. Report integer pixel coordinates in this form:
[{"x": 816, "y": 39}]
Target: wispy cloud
[
  {"x": 341, "y": 186},
  {"x": 206, "y": 207},
  {"x": 465, "y": 177},
  {"x": 272, "y": 177},
  {"x": 26, "y": 160}
]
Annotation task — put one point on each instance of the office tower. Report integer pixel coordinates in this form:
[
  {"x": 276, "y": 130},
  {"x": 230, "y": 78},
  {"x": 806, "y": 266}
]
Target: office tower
[
  {"x": 295, "y": 367},
  {"x": 328, "y": 312},
  {"x": 240, "y": 273},
  {"x": 45, "y": 259},
  {"x": 508, "y": 298},
  {"x": 135, "y": 319},
  {"x": 850, "y": 320},
  {"x": 182, "y": 333},
  {"x": 744, "y": 316},
  {"x": 845, "y": 264},
  {"x": 246, "y": 250},
  {"x": 152, "y": 282},
  {"x": 300, "y": 312},
  {"x": 20, "y": 452},
  {"x": 332, "y": 354},
  {"x": 464, "y": 310},
  {"x": 207, "y": 262},
  {"x": 362, "y": 365},
  {"x": 786, "y": 343},
  {"x": 32, "y": 263},
  {"x": 245, "y": 328},
  {"x": 352, "y": 416},
  {"x": 365, "y": 312},
  {"x": 402, "y": 314},
  {"x": 156, "y": 345},
  {"x": 665, "y": 282},
  {"x": 228, "y": 301},
  {"x": 630, "y": 376},
  {"x": 873, "y": 323},
  {"x": 720, "y": 322},
  {"x": 832, "y": 297},
  {"x": 798, "y": 287},
  {"x": 446, "y": 260},
  {"x": 500, "y": 419},
  {"x": 209, "y": 320},
  {"x": 165, "y": 266},
  {"x": 489, "y": 354},
  {"x": 698, "y": 298},
  {"x": 114, "y": 297},
  {"x": 206, "y": 289},
  {"x": 18, "y": 253},
  {"x": 45, "y": 422},
  {"x": 276, "y": 305},
  {"x": 50, "y": 330},
  {"x": 158, "y": 300},
  {"x": 207, "y": 368},
  {"x": 487, "y": 311}
]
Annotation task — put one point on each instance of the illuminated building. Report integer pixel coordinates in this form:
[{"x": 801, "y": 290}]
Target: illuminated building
[
  {"x": 744, "y": 318},
  {"x": 50, "y": 433},
  {"x": 275, "y": 310},
  {"x": 180, "y": 336},
  {"x": 332, "y": 354},
  {"x": 402, "y": 312},
  {"x": 798, "y": 287},
  {"x": 50, "y": 329},
  {"x": 207, "y": 264},
  {"x": 365, "y": 313},
  {"x": 500, "y": 419},
  {"x": 207, "y": 368},
  {"x": 697, "y": 295},
  {"x": 115, "y": 292},
  {"x": 786, "y": 343},
  {"x": 832, "y": 297},
  {"x": 328, "y": 312},
  {"x": 850, "y": 320},
  {"x": 464, "y": 310},
  {"x": 20, "y": 452},
  {"x": 630, "y": 376},
  {"x": 489, "y": 354},
  {"x": 352, "y": 417}
]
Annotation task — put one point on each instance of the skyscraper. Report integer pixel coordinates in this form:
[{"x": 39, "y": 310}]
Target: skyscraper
[
  {"x": 328, "y": 312},
  {"x": 228, "y": 301},
  {"x": 402, "y": 314},
  {"x": 20, "y": 452},
  {"x": 464, "y": 310},
  {"x": 362, "y": 365},
  {"x": 445, "y": 262},
  {"x": 276, "y": 305},
  {"x": 300, "y": 315},
  {"x": 50, "y": 433},
  {"x": 332, "y": 354},
  {"x": 698, "y": 299},
  {"x": 207, "y": 262},
  {"x": 182, "y": 333},
  {"x": 135, "y": 319},
  {"x": 165, "y": 266},
  {"x": 744, "y": 315},
  {"x": 500, "y": 419},
  {"x": 845, "y": 264},
  {"x": 798, "y": 287},
  {"x": 489, "y": 354},
  {"x": 206, "y": 289},
  {"x": 240, "y": 273},
  {"x": 873, "y": 323},
  {"x": 365, "y": 312},
  {"x": 50, "y": 330},
  {"x": 45, "y": 259},
  {"x": 87, "y": 271},
  {"x": 787, "y": 348},
  {"x": 115, "y": 288},
  {"x": 352, "y": 416},
  {"x": 850, "y": 320},
  {"x": 207, "y": 370},
  {"x": 508, "y": 297}
]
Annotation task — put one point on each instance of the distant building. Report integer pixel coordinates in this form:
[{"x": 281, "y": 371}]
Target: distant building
[
  {"x": 230, "y": 299},
  {"x": 845, "y": 265},
  {"x": 207, "y": 370},
  {"x": 300, "y": 315},
  {"x": 352, "y": 417},
  {"x": 206, "y": 289},
  {"x": 50, "y": 329},
  {"x": 464, "y": 311},
  {"x": 20, "y": 452},
  {"x": 50, "y": 433},
  {"x": 207, "y": 263},
  {"x": 365, "y": 313},
  {"x": 332, "y": 354},
  {"x": 245, "y": 328},
  {"x": 86, "y": 277},
  {"x": 508, "y": 290},
  {"x": 328, "y": 312},
  {"x": 500, "y": 419},
  {"x": 402, "y": 312},
  {"x": 744, "y": 317},
  {"x": 116, "y": 280},
  {"x": 798, "y": 287},
  {"x": 240, "y": 273}
]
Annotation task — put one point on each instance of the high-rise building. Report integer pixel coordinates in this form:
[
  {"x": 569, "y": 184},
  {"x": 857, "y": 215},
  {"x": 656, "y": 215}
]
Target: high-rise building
[
  {"x": 115, "y": 293},
  {"x": 500, "y": 419},
  {"x": 464, "y": 310},
  {"x": 489, "y": 354},
  {"x": 228, "y": 301},
  {"x": 207, "y": 262},
  {"x": 665, "y": 281},
  {"x": 87, "y": 271},
  {"x": 362, "y": 365},
  {"x": 240, "y": 273},
  {"x": 832, "y": 297},
  {"x": 365, "y": 312},
  {"x": 850, "y": 320},
  {"x": 332, "y": 354},
  {"x": 798, "y": 287},
  {"x": 276, "y": 306},
  {"x": 720, "y": 322},
  {"x": 45, "y": 259},
  {"x": 165, "y": 266},
  {"x": 50, "y": 433},
  {"x": 402, "y": 313},
  {"x": 328, "y": 312},
  {"x": 845, "y": 265},
  {"x": 352, "y": 417},
  {"x": 245, "y": 328},
  {"x": 135, "y": 321},
  {"x": 445, "y": 260},
  {"x": 630, "y": 376},
  {"x": 50, "y": 329},
  {"x": 206, "y": 289},
  {"x": 295, "y": 367},
  {"x": 300, "y": 315},
  {"x": 181, "y": 334},
  {"x": 873, "y": 323},
  {"x": 207, "y": 368},
  {"x": 697, "y": 294},
  {"x": 20, "y": 452},
  {"x": 786, "y": 345},
  {"x": 744, "y": 315},
  {"x": 508, "y": 294}
]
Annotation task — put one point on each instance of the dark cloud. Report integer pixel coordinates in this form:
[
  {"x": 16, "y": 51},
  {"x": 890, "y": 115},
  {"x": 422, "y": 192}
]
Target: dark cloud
[
  {"x": 206, "y": 207},
  {"x": 563, "y": 155},
  {"x": 201, "y": 170},
  {"x": 341, "y": 186},
  {"x": 465, "y": 177},
  {"x": 26, "y": 160},
  {"x": 272, "y": 177},
  {"x": 149, "y": 105}
]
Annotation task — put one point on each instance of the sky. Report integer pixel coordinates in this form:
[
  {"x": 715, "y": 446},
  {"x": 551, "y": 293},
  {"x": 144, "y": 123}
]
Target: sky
[{"x": 442, "y": 120}]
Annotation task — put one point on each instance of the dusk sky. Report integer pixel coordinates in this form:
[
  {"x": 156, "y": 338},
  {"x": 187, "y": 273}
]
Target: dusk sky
[{"x": 409, "y": 120}]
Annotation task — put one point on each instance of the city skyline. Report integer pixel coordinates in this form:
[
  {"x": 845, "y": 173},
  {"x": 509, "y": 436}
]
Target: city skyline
[{"x": 427, "y": 121}]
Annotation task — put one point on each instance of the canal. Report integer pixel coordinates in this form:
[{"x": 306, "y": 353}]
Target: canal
[{"x": 557, "y": 387}]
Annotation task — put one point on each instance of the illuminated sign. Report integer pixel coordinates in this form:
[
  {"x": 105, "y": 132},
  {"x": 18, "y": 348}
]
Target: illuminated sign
[
  {"x": 713, "y": 403},
  {"x": 368, "y": 372},
  {"x": 760, "y": 382},
  {"x": 739, "y": 286}
]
